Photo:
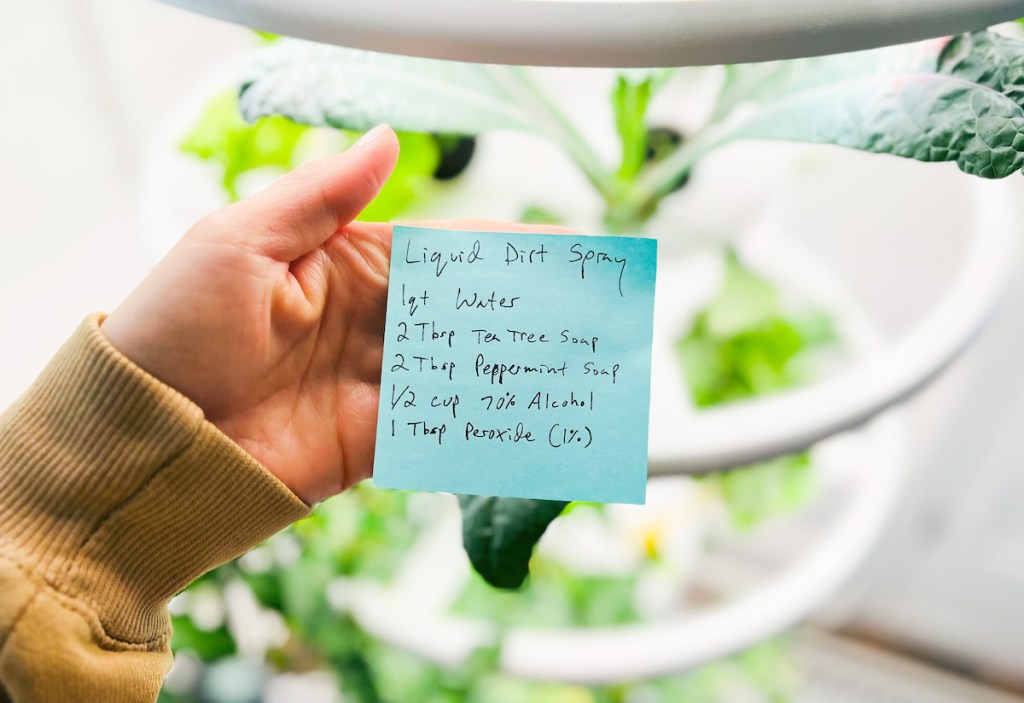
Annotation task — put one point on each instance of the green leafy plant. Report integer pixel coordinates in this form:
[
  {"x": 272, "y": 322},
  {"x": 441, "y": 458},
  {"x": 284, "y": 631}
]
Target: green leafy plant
[
  {"x": 743, "y": 345},
  {"x": 959, "y": 100},
  {"x": 237, "y": 149},
  {"x": 938, "y": 101},
  {"x": 934, "y": 101},
  {"x": 956, "y": 100},
  {"x": 499, "y": 534},
  {"x": 301, "y": 575}
]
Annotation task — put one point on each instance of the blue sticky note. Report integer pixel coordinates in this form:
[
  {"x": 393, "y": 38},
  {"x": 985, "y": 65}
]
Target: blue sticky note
[{"x": 517, "y": 365}]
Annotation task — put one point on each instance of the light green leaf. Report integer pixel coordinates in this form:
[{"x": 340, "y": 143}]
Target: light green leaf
[
  {"x": 629, "y": 102},
  {"x": 411, "y": 179},
  {"x": 207, "y": 644},
  {"x": 775, "y": 487},
  {"x": 930, "y": 101},
  {"x": 631, "y": 97},
  {"x": 499, "y": 535},
  {"x": 318, "y": 84},
  {"x": 222, "y": 137},
  {"x": 742, "y": 346}
]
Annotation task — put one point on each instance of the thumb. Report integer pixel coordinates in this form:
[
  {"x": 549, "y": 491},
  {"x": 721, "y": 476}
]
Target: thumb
[{"x": 303, "y": 209}]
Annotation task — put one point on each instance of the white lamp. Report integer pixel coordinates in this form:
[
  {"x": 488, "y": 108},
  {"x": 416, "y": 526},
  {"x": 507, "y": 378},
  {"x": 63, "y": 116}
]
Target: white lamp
[{"x": 617, "y": 34}]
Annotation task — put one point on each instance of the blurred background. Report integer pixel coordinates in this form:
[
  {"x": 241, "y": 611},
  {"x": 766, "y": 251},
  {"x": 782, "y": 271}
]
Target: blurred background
[{"x": 885, "y": 564}]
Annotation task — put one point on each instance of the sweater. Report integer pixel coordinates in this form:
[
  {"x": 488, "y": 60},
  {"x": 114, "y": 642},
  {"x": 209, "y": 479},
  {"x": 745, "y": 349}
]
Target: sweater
[{"x": 115, "y": 494}]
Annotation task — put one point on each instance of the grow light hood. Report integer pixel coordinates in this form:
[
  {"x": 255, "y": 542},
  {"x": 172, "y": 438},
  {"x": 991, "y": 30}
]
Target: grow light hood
[{"x": 622, "y": 33}]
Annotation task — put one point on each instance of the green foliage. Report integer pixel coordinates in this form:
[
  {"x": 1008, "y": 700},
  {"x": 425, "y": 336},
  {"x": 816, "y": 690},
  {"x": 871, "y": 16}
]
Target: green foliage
[
  {"x": 933, "y": 101},
  {"x": 930, "y": 117},
  {"x": 207, "y": 645},
  {"x": 773, "y": 487},
  {"x": 742, "y": 346},
  {"x": 629, "y": 102},
  {"x": 556, "y": 598},
  {"x": 961, "y": 102},
  {"x": 630, "y": 99},
  {"x": 363, "y": 532},
  {"x": 957, "y": 101},
  {"x": 223, "y": 138},
  {"x": 332, "y": 86},
  {"x": 266, "y": 37},
  {"x": 456, "y": 152},
  {"x": 366, "y": 533},
  {"x": 499, "y": 534},
  {"x": 922, "y": 101}
]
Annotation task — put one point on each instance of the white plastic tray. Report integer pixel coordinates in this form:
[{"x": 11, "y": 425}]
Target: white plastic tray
[
  {"x": 605, "y": 33},
  {"x": 744, "y": 433},
  {"x": 411, "y": 613}
]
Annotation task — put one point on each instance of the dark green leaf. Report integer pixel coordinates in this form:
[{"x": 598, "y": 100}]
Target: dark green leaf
[
  {"x": 745, "y": 301},
  {"x": 987, "y": 59},
  {"x": 927, "y": 117},
  {"x": 456, "y": 153},
  {"x": 223, "y": 138},
  {"x": 742, "y": 346},
  {"x": 631, "y": 97},
  {"x": 499, "y": 535},
  {"x": 959, "y": 102}
]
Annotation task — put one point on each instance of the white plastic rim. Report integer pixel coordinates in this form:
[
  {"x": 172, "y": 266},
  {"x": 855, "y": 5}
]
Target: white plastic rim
[
  {"x": 602, "y": 655},
  {"x": 411, "y": 614},
  {"x": 635, "y": 33},
  {"x": 598, "y": 656},
  {"x": 791, "y": 421}
]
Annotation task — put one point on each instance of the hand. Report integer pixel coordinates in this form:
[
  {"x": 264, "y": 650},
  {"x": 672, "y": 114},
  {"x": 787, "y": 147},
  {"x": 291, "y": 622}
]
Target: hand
[{"x": 269, "y": 314}]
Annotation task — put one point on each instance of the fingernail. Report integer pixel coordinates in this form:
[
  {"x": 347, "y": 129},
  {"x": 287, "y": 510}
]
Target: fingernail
[{"x": 371, "y": 135}]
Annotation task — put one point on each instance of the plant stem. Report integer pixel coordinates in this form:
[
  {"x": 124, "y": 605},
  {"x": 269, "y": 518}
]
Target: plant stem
[
  {"x": 658, "y": 181},
  {"x": 566, "y": 133}
]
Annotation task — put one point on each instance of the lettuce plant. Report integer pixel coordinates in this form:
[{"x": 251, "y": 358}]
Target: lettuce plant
[{"x": 959, "y": 100}]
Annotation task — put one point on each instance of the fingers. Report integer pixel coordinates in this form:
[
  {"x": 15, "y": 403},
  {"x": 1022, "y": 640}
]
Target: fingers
[
  {"x": 301, "y": 211},
  {"x": 375, "y": 237}
]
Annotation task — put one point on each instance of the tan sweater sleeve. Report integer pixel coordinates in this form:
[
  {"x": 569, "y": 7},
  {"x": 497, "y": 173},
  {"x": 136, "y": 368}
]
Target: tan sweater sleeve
[{"x": 115, "y": 493}]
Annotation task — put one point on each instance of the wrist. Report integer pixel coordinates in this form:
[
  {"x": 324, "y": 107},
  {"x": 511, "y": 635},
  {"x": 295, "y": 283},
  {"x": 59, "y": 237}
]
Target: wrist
[{"x": 119, "y": 492}]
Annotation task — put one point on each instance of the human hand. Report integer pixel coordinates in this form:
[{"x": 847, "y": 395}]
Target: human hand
[{"x": 269, "y": 315}]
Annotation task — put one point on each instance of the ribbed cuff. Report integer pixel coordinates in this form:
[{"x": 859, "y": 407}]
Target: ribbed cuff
[{"x": 117, "y": 492}]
